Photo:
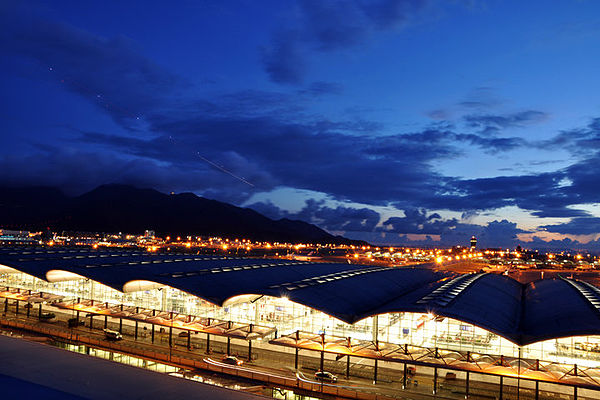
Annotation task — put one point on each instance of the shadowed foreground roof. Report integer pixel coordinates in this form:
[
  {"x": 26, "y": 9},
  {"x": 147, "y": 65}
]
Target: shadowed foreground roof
[
  {"x": 35, "y": 369},
  {"x": 522, "y": 313}
]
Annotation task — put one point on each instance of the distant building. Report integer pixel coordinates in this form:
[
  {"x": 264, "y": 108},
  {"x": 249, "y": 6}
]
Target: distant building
[
  {"x": 149, "y": 234},
  {"x": 473, "y": 242},
  {"x": 10, "y": 236}
]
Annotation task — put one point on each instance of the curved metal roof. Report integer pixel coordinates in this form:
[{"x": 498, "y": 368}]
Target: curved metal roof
[{"x": 521, "y": 313}]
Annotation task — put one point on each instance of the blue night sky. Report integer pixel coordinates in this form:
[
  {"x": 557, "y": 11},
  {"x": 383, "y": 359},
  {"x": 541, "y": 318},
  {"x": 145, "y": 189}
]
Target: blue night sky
[{"x": 393, "y": 121}]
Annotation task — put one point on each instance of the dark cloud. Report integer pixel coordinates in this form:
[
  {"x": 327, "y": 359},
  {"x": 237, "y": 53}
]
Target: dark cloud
[
  {"x": 565, "y": 244},
  {"x": 530, "y": 192},
  {"x": 582, "y": 179},
  {"x": 330, "y": 25},
  {"x": 581, "y": 142},
  {"x": 576, "y": 226},
  {"x": 480, "y": 99},
  {"x": 416, "y": 221},
  {"x": 78, "y": 171},
  {"x": 284, "y": 59},
  {"x": 354, "y": 168},
  {"x": 317, "y": 156},
  {"x": 492, "y": 145},
  {"x": 559, "y": 212},
  {"x": 268, "y": 139},
  {"x": 320, "y": 88},
  {"x": 491, "y": 124},
  {"x": 347, "y": 219},
  {"x": 362, "y": 224},
  {"x": 269, "y": 209},
  {"x": 110, "y": 72},
  {"x": 387, "y": 13},
  {"x": 327, "y": 26},
  {"x": 494, "y": 234},
  {"x": 499, "y": 234},
  {"x": 338, "y": 219},
  {"x": 439, "y": 114}
]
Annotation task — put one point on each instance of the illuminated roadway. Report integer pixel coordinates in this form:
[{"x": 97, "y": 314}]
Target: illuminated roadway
[{"x": 272, "y": 362}]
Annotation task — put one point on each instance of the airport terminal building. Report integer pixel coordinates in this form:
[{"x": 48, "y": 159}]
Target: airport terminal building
[{"x": 541, "y": 336}]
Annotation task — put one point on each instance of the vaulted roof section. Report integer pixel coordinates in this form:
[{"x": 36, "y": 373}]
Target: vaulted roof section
[{"x": 521, "y": 313}]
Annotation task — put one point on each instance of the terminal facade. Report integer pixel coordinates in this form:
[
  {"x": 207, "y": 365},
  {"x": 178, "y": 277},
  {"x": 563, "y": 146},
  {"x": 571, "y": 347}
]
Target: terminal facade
[{"x": 439, "y": 313}]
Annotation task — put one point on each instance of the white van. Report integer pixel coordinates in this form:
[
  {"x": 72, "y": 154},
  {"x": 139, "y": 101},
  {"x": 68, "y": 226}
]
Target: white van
[{"x": 112, "y": 335}]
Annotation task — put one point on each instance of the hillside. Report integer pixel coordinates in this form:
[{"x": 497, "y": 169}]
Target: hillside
[{"x": 121, "y": 208}]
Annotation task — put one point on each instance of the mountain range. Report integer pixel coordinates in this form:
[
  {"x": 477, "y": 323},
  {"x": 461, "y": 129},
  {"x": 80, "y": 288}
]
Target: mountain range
[{"x": 121, "y": 208}]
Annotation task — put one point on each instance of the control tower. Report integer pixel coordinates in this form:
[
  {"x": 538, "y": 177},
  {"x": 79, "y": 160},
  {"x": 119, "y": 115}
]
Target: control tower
[{"x": 473, "y": 242}]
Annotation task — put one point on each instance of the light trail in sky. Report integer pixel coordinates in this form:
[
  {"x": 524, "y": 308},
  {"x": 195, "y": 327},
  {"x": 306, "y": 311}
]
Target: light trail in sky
[
  {"x": 102, "y": 100},
  {"x": 220, "y": 168}
]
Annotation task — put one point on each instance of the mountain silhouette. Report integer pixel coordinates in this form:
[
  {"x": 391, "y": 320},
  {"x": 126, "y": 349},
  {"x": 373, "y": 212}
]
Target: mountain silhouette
[{"x": 121, "y": 208}]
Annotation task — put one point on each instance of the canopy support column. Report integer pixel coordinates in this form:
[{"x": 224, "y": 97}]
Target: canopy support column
[
  {"x": 348, "y": 367},
  {"x": 375, "y": 372}
]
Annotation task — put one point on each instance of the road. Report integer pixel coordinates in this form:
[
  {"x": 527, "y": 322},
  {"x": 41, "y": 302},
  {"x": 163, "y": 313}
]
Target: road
[{"x": 274, "y": 362}]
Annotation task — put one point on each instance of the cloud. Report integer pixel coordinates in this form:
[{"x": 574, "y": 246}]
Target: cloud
[
  {"x": 318, "y": 156},
  {"x": 110, "y": 72},
  {"x": 320, "y": 88},
  {"x": 565, "y": 244},
  {"x": 269, "y": 139},
  {"x": 269, "y": 209},
  {"x": 581, "y": 142},
  {"x": 362, "y": 224},
  {"x": 481, "y": 98},
  {"x": 446, "y": 233},
  {"x": 284, "y": 59},
  {"x": 338, "y": 219},
  {"x": 78, "y": 171},
  {"x": 576, "y": 226},
  {"x": 416, "y": 221},
  {"x": 491, "y": 124},
  {"x": 439, "y": 114},
  {"x": 492, "y": 145},
  {"x": 325, "y": 26}
]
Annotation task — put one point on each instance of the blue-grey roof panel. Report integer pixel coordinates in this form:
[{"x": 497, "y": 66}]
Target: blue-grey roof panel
[{"x": 521, "y": 313}]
